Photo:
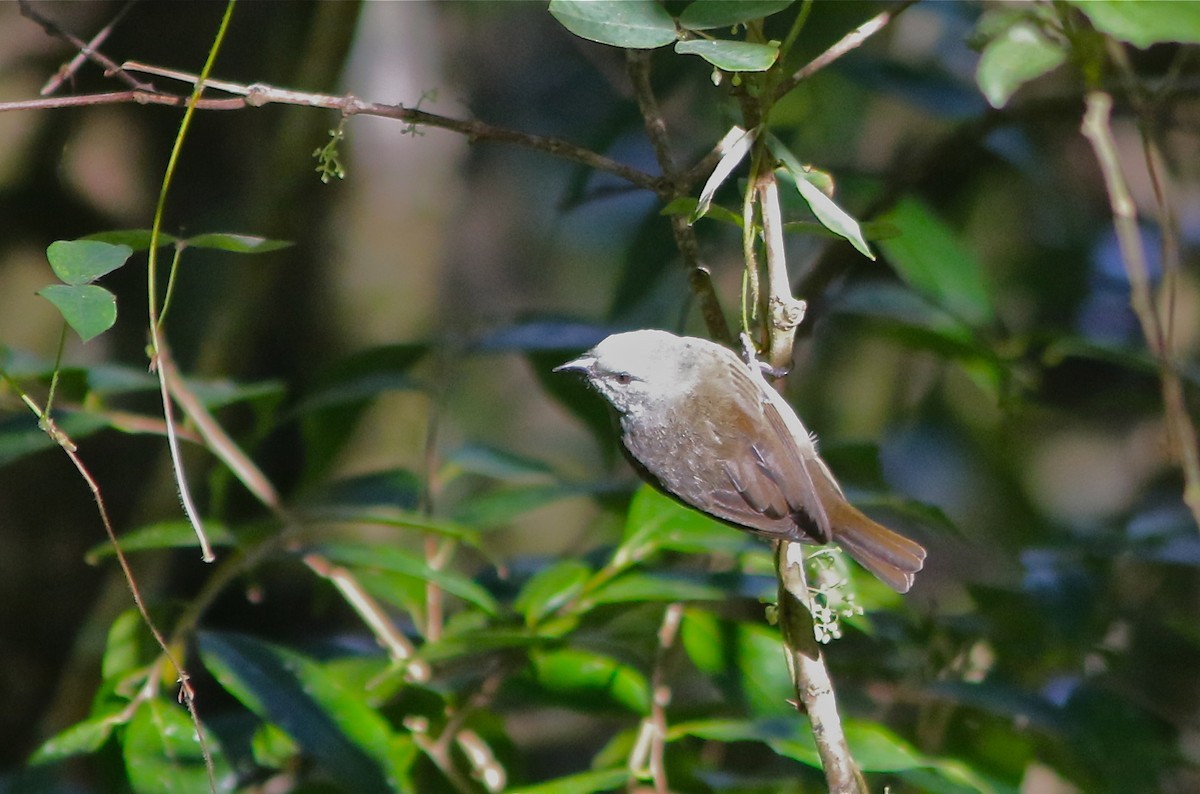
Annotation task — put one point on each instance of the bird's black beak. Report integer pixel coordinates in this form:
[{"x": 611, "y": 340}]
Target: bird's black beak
[{"x": 584, "y": 364}]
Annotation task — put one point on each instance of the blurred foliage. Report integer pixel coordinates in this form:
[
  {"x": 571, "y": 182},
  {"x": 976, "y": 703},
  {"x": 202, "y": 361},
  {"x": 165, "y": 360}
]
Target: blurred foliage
[{"x": 460, "y": 588}]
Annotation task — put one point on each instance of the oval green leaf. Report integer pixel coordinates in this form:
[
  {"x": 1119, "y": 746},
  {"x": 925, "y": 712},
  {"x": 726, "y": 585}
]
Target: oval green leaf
[
  {"x": 705, "y": 14},
  {"x": 1019, "y": 54},
  {"x": 89, "y": 309},
  {"x": 550, "y": 588},
  {"x": 162, "y": 753},
  {"x": 137, "y": 239},
  {"x": 930, "y": 258},
  {"x": 1144, "y": 23},
  {"x": 732, "y": 56},
  {"x": 236, "y": 243},
  {"x": 79, "y": 262},
  {"x": 808, "y": 184},
  {"x": 330, "y": 721},
  {"x": 583, "y": 675},
  {"x": 639, "y": 24}
]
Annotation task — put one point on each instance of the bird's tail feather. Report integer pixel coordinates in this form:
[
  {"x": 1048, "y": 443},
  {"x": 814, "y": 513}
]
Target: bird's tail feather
[{"x": 892, "y": 557}]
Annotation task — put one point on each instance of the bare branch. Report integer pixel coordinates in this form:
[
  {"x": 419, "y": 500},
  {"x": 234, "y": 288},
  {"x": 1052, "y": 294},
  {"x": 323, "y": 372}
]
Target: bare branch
[
  {"x": 850, "y": 41},
  {"x": 1181, "y": 430},
  {"x": 87, "y": 50}
]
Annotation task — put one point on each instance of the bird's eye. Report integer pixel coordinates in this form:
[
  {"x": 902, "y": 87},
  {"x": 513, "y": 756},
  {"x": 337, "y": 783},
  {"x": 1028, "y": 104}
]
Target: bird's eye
[{"x": 624, "y": 378}]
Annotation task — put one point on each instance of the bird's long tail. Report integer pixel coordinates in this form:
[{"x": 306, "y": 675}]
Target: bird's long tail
[{"x": 892, "y": 557}]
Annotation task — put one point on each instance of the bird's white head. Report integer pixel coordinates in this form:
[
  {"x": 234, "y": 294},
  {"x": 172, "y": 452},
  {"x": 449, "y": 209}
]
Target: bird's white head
[{"x": 639, "y": 370}]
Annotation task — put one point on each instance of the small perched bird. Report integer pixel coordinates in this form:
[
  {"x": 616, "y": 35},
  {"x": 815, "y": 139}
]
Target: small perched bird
[{"x": 704, "y": 427}]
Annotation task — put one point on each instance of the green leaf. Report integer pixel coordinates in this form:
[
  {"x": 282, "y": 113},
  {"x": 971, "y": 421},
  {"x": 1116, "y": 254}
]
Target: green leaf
[
  {"x": 583, "y": 783},
  {"x": 588, "y": 675},
  {"x": 81, "y": 738},
  {"x": 656, "y": 522},
  {"x": 79, "y": 262},
  {"x": 396, "y": 560},
  {"x": 707, "y": 14},
  {"x": 877, "y": 749},
  {"x": 236, "y": 243},
  {"x": 500, "y": 506},
  {"x": 744, "y": 659},
  {"x": 1019, "y": 54},
  {"x": 639, "y": 24},
  {"x": 271, "y": 747},
  {"x": 331, "y": 722},
  {"x": 129, "y": 645},
  {"x": 733, "y": 148},
  {"x": 163, "y": 755},
  {"x": 163, "y": 535},
  {"x": 1143, "y": 23},
  {"x": 808, "y": 184},
  {"x": 641, "y": 587},
  {"x": 500, "y": 464},
  {"x": 732, "y": 56},
  {"x": 550, "y": 589},
  {"x": 137, "y": 239},
  {"x": 930, "y": 258},
  {"x": 89, "y": 309}
]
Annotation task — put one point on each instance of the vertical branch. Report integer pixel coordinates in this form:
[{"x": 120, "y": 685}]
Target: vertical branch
[
  {"x": 810, "y": 676},
  {"x": 674, "y": 185},
  {"x": 1181, "y": 430}
]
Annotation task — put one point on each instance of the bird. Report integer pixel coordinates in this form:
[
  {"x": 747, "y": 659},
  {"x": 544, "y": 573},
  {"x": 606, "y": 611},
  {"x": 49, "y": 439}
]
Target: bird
[{"x": 704, "y": 427}]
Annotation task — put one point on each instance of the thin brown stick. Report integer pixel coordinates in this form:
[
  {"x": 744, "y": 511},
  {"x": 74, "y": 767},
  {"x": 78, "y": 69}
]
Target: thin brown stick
[
  {"x": 187, "y": 693},
  {"x": 810, "y": 676},
  {"x": 259, "y": 94},
  {"x": 88, "y": 50},
  {"x": 671, "y": 186},
  {"x": 850, "y": 41},
  {"x": 1182, "y": 432}
]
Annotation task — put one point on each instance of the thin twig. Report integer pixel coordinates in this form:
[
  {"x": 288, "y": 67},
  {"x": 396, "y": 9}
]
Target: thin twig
[
  {"x": 1181, "y": 430},
  {"x": 814, "y": 686},
  {"x": 671, "y": 186},
  {"x": 850, "y": 41},
  {"x": 810, "y": 676},
  {"x": 87, "y": 50},
  {"x": 186, "y": 692}
]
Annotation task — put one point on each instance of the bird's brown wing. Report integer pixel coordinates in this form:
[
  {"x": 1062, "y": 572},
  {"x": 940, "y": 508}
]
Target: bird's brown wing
[{"x": 767, "y": 484}]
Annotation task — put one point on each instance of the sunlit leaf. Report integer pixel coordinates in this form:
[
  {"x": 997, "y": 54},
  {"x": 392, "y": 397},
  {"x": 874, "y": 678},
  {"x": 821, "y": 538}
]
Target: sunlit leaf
[
  {"x": 137, "y": 239},
  {"x": 79, "y": 262},
  {"x": 582, "y": 783},
  {"x": 707, "y": 14},
  {"x": 89, "y": 309},
  {"x": 1143, "y": 23},
  {"x": 163, "y": 754},
  {"x": 733, "y": 148},
  {"x": 808, "y": 184},
  {"x": 639, "y": 587},
  {"x": 744, "y": 659},
  {"x": 83, "y": 737},
  {"x": 1019, "y": 54},
  {"x": 163, "y": 535},
  {"x": 578, "y": 672},
  {"x": 551, "y": 588},
  {"x": 732, "y": 56},
  {"x": 639, "y": 24},
  {"x": 656, "y": 522},
  {"x": 236, "y": 243},
  {"x": 400, "y": 561}
]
